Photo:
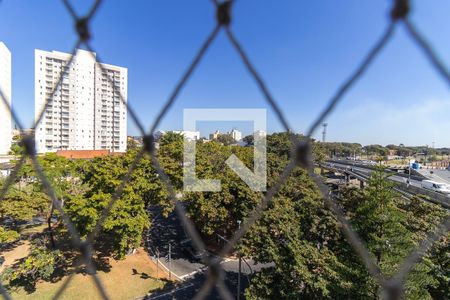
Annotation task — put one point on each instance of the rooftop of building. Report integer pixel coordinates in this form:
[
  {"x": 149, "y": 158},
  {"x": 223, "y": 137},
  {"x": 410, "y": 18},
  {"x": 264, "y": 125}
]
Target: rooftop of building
[{"x": 84, "y": 154}]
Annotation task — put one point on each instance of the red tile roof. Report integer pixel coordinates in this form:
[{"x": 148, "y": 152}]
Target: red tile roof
[{"x": 82, "y": 154}]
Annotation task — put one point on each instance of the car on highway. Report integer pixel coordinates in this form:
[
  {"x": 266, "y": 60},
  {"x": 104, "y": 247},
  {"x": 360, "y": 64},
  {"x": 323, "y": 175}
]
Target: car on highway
[
  {"x": 435, "y": 186},
  {"x": 189, "y": 249}
]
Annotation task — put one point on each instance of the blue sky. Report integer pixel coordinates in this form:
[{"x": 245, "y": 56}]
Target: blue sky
[{"x": 303, "y": 49}]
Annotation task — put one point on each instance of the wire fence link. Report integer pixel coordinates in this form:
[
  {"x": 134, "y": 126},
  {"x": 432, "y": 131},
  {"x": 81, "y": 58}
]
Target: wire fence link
[{"x": 301, "y": 154}]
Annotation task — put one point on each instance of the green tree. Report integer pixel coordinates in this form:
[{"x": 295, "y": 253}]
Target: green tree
[
  {"x": 302, "y": 239},
  {"x": 170, "y": 156},
  {"x": 342, "y": 149},
  {"x": 127, "y": 219},
  {"x": 23, "y": 204},
  {"x": 311, "y": 258},
  {"x": 296, "y": 233},
  {"x": 422, "y": 218},
  {"x": 215, "y": 212},
  {"x": 376, "y": 150},
  {"x": 8, "y": 236},
  {"x": 40, "y": 264},
  {"x": 17, "y": 148},
  {"x": 61, "y": 174},
  {"x": 380, "y": 222},
  {"x": 218, "y": 212},
  {"x": 226, "y": 139},
  {"x": 248, "y": 139}
]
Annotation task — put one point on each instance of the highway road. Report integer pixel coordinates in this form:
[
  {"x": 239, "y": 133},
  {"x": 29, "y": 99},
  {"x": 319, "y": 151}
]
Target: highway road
[
  {"x": 414, "y": 187},
  {"x": 436, "y": 175},
  {"x": 365, "y": 171}
]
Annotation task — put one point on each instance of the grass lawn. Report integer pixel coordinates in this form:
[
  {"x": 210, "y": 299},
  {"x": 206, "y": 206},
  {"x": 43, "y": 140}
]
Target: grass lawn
[
  {"x": 130, "y": 278},
  {"x": 33, "y": 229}
]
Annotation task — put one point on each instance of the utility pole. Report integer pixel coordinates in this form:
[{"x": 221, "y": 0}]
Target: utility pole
[
  {"x": 324, "y": 132},
  {"x": 409, "y": 174},
  {"x": 240, "y": 263},
  {"x": 157, "y": 262},
  {"x": 170, "y": 261}
]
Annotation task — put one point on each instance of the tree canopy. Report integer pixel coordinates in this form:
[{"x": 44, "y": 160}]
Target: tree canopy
[{"x": 297, "y": 235}]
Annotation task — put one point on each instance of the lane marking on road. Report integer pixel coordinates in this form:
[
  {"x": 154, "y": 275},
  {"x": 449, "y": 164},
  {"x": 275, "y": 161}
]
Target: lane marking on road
[
  {"x": 202, "y": 269},
  {"x": 193, "y": 272},
  {"x": 442, "y": 179}
]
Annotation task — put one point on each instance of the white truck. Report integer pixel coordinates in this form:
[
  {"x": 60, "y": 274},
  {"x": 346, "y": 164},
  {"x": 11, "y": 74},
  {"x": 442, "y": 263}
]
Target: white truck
[{"x": 436, "y": 186}]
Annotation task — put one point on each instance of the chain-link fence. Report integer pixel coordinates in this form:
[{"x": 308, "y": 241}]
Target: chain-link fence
[{"x": 392, "y": 287}]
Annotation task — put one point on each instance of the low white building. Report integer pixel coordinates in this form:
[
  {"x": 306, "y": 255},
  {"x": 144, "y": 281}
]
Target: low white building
[
  {"x": 6, "y": 169},
  {"x": 214, "y": 135},
  {"x": 190, "y": 135},
  {"x": 236, "y": 135},
  {"x": 260, "y": 133}
]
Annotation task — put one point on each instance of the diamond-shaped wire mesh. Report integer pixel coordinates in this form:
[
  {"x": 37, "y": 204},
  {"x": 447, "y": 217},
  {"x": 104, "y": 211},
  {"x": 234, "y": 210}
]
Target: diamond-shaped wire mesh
[{"x": 392, "y": 287}]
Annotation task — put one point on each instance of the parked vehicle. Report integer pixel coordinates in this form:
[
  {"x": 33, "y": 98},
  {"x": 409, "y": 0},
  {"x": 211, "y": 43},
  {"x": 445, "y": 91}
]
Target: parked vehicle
[
  {"x": 189, "y": 249},
  {"x": 435, "y": 186},
  {"x": 416, "y": 166}
]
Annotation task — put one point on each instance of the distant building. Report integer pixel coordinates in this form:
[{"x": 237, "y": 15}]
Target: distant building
[
  {"x": 19, "y": 134},
  {"x": 441, "y": 164},
  {"x": 392, "y": 152},
  {"x": 236, "y": 135},
  {"x": 259, "y": 133},
  {"x": 5, "y": 86},
  {"x": 158, "y": 134},
  {"x": 86, "y": 111},
  {"x": 5, "y": 169},
  {"x": 214, "y": 136},
  {"x": 190, "y": 135},
  {"x": 138, "y": 140}
]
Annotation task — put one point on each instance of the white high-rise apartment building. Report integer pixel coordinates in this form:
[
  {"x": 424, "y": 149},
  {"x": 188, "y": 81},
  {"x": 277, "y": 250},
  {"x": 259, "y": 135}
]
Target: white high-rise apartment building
[
  {"x": 86, "y": 112},
  {"x": 236, "y": 135},
  {"x": 5, "y": 85}
]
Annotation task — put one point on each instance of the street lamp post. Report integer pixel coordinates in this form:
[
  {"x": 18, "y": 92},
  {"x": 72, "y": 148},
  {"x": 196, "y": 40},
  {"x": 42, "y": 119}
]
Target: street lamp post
[
  {"x": 170, "y": 261},
  {"x": 409, "y": 173},
  {"x": 240, "y": 262}
]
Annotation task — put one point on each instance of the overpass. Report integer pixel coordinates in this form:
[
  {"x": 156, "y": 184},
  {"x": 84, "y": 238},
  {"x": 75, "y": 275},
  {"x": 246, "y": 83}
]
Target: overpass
[{"x": 362, "y": 174}]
